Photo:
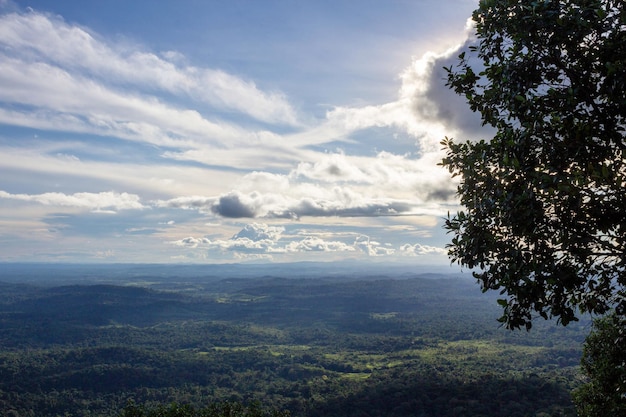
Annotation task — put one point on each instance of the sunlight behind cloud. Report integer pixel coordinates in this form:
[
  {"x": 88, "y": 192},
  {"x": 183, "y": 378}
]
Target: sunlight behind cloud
[{"x": 199, "y": 162}]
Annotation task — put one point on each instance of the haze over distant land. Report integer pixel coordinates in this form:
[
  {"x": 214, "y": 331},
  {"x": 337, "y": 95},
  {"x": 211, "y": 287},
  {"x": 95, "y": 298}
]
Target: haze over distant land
[
  {"x": 228, "y": 132},
  {"x": 65, "y": 273}
]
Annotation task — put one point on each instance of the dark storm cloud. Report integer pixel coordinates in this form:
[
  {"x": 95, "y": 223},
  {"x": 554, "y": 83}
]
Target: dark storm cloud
[{"x": 231, "y": 205}]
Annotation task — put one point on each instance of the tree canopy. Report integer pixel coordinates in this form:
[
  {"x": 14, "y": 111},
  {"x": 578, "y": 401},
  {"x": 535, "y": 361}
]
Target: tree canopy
[
  {"x": 224, "y": 409},
  {"x": 544, "y": 215},
  {"x": 604, "y": 363}
]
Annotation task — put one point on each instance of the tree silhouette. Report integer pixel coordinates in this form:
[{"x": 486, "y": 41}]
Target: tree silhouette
[{"x": 544, "y": 218}]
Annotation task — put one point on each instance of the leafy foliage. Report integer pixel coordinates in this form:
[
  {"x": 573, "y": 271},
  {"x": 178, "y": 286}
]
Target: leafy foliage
[
  {"x": 225, "y": 409},
  {"x": 604, "y": 362},
  {"x": 544, "y": 198},
  {"x": 312, "y": 347}
]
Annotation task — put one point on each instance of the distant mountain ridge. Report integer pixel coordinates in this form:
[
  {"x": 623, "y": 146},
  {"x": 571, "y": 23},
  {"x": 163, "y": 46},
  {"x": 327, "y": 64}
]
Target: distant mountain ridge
[{"x": 72, "y": 272}]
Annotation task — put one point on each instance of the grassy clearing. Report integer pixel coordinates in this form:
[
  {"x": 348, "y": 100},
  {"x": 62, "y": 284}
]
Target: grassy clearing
[{"x": 355, "y": 376}]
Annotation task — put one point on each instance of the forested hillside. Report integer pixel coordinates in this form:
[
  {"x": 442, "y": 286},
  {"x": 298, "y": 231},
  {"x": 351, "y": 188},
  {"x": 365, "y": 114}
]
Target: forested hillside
[{"x": 341, "y": 346}]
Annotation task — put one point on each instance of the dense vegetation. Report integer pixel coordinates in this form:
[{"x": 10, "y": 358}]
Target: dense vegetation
[{"x": 341, "y": 346}]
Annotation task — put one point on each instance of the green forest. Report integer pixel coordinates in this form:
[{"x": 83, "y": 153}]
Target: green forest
[{"x": 338, "y": 345}]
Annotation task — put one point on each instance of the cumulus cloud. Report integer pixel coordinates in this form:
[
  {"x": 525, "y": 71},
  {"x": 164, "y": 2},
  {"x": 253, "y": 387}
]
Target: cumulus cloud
[
  {"x": 259, "y": 231},
  {"x": 371, "y": 247},
  {"x": 335, "y": 185},
  {"x": 316, "y": 244},
  {"x": 425, "y": 107},
  {"x": 253, "y": 238},
  {"x": 418, "y": 250},
  {"x": 236, "y": 205},
  {"x": 259, "y": 239},
  {"x": 104, "y": 201},
  {"x": 402, "y": 175},
  {"x": 333, "y": 202},
  {"x": 263, "y": 239},
  {"x": 191, "y": 242},
  {"x": 431, "y": 101}
]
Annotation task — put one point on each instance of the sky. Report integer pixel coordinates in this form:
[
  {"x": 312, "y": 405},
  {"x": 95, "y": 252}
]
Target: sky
[{"x": 195, "y": 131}]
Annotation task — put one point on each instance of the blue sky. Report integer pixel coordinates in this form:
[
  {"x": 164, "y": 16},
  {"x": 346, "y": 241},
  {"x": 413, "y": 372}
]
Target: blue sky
[{"x": 228, "y": 131}]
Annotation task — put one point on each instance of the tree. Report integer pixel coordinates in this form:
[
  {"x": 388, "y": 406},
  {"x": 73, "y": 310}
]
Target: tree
[
  {"x": 223, "y": 409},
  {"x": 604, "y": 363},
  {"x": 544, "y": 216}
]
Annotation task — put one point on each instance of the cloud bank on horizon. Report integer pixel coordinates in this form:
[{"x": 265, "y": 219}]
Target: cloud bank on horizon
[{"x": 112, "y": 150}]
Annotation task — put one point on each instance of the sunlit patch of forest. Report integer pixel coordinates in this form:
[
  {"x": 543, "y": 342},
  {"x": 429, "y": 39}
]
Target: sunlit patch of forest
[{"x": 330, "y": 346}]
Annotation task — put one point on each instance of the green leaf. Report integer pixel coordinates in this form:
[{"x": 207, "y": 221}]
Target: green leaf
[{"x": 543, "y": 200}]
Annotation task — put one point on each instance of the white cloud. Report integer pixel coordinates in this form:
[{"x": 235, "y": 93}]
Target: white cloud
[
  {"x": 425, "y": 107},
  {"x": 104, "y": 201},
  {"x": 200, "y": 203},
  {"x": 41, "y": 164},
  {"x": 253, "y": 238},
  {"x": 221, "y": 88},
  {"x": 402, "y": 176},
  {"x": 37, "y": 37},
  {"x": 371, "y": 247},
  {"x": 86, "y": 85},
  {"x": 316, "y": 244},
  {"x": 92, "y": 107},
  {"x": 336, "y": 202},
  {"x": 334, "y": 167},
  {"x": 191, "y": 242},
  {"x": 260, "y": 238},
  {"x": 334, "y": 185},
  {"x": 434, "y": 104},
  {"x": 286, "y": 242},
  {"x": 418, "y": 249},
  {"x": 185, "y": 141},
  {"x": 259, "y": 231}
]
